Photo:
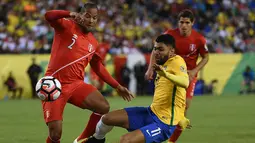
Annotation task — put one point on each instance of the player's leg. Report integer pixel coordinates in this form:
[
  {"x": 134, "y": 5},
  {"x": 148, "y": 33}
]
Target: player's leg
[
  {"x": 87, "y": 96},
  {"x": 55, "y": 131},
  {"x": 105, "y": 125},
  {"x": 130, "y": 118},
  {"x": 133, "y": 137},
  {"x": 189, "y": 94},
  {"x": 156, "y": 132},
  {"x": 53, "y": 112}
]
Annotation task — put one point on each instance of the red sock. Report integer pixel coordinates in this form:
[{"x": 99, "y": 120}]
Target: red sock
[
  {"x": 176, "y": 134},
  {"x": 51, "y": 141},
  {"x": 91, "y": 126}
]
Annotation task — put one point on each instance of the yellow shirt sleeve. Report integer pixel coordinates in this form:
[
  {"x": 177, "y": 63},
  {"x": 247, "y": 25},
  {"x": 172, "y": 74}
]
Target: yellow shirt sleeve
[{"x": 177, "y": 73}]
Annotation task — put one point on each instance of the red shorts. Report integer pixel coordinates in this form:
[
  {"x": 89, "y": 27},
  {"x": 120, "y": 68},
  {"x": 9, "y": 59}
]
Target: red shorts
[
  {"x": 191, "y": 88},
  {"x": 74, "y": 93}
]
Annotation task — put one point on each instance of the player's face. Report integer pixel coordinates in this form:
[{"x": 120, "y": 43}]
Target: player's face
[
  {"x": 185, "y": 26},
  {"x": 90, "y": 17},
  {"x": 162, "y": 52}
]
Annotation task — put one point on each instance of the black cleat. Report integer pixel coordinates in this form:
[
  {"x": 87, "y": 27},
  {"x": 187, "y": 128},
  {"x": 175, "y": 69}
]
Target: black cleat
[{"x": 94, "y": 140}]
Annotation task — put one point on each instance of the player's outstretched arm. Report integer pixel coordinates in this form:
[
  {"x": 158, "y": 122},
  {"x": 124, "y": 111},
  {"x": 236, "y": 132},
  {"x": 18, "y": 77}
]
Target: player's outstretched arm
[
  {"x": 179, "y": 80},
  {"x": 149, "y": 72},
  {"x": 54, "y": 15},
  {"x": 101, "y": 71}
]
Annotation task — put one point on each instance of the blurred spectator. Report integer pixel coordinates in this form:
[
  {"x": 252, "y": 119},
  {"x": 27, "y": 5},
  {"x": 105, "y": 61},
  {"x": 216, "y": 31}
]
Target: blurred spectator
[
  {"x": 33, "y": 72},
  {"x": 200, "y": 87},
  {"x": 139, "y": 72},
  {"x": 125, "y": 75},
  {"x": 247, "y": 84},
  {"x": 207, "y": 89},
  {"x": 228, "y": 25},
  {"x": 211, "y": 87},
  {"x": 13, "y": 87}
]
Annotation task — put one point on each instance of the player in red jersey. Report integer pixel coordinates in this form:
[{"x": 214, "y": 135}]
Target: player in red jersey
[
  {"x": 102, "y": 50},
  {"x": 189, "y": 45},
  {"x": 73, "y": 49}
]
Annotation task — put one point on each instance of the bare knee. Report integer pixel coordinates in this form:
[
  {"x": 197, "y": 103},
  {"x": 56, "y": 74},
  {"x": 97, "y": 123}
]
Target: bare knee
[
  {"x": 55, "y": 131},
  {"x": 96, "y": 103},
  {"x": 105, "y": 108},
  {"x": 106, "y": 119}
]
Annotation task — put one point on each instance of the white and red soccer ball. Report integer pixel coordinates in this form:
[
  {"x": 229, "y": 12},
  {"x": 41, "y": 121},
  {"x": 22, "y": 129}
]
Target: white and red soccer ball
[{"x": 48, "y": 88}]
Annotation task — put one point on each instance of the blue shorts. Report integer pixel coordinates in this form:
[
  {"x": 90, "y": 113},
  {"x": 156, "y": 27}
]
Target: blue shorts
[{"x": 154, "y": 130}]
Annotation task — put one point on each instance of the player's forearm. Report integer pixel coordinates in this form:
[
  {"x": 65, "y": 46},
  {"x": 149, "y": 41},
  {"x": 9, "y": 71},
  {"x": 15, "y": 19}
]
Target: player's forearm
[
  {"x": 53, "y": 15},
  {"x": 101, "y": 71},
  {"x": 178, "y": 80},
  {"x": 202, "y": 63},
  {"x": 152, "y": 60}
]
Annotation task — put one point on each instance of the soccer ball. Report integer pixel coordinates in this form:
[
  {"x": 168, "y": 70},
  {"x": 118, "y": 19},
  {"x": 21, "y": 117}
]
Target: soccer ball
[{"x": 48, "y": 88}]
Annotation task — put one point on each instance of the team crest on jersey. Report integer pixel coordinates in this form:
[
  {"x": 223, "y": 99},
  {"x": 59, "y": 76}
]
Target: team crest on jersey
[
  {"x": 90, "y": 47},
  {"x": 183, "y": 69},
  {"x": 192, "y": 47},
  {"x": 75, "y": 36}
]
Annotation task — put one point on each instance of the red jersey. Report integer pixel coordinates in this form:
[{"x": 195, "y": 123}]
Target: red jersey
[
  {"x": 189, "y": 48},
  {"x": 103, "y": 49},
  {"x": 71, "y": 52}
]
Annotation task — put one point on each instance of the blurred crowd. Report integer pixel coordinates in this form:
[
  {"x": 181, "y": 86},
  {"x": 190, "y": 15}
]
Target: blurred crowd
[{"x": 131, "y": 25}]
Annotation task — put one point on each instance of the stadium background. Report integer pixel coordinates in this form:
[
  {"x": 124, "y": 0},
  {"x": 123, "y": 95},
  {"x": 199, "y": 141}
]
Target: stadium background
[{"x": 130, "y": 26}]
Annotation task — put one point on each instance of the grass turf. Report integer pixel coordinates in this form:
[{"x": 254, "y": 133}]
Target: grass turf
[{"x": 215, "y": 119}]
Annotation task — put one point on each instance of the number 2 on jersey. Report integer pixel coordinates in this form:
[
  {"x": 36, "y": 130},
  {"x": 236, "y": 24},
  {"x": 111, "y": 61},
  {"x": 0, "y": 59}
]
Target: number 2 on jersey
[{"x": 73, "y": 41}]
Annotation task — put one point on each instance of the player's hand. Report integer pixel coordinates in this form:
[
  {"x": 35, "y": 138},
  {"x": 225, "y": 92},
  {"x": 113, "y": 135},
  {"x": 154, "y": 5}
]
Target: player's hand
[
  {"x": 159, "y": 69},
  {"x": 76, "y": 17},
  {"x": 149, "y": 74},
  {"x": 125, "y": 93},
  {"x": 192, "y": 74},
  {"x": 189, "y": 126}
]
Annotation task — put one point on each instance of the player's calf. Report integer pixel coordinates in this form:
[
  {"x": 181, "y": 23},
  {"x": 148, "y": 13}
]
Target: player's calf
[
  {"x": 102, "y": 129},
  {"x": 55, "y": 131},
  {"x": 49, "y": 140}
]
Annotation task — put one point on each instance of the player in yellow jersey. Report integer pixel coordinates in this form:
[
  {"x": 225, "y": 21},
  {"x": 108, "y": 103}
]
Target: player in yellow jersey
[{"x": 156, "y": 123}]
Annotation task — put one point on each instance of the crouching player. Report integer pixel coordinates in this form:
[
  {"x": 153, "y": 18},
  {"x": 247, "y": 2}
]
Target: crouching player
[{"x": 156, "y": 123}]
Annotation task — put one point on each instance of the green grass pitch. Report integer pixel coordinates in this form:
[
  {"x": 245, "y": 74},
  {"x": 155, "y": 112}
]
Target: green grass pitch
[{"x": 215, "y": 119}]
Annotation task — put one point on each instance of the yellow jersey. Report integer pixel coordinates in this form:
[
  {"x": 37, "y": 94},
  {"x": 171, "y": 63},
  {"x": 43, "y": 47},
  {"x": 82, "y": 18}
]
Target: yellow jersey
[{"x": 169, "y": 100}]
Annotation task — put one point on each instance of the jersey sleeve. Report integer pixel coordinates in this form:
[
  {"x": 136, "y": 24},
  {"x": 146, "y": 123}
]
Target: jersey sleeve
[
  {"x": 203, "y": 47},
  {"x": 61, "y": 24},
  {"x": 57, "y": 19},
  {"x": 97, "y": 57},
  {"x": 179, "y": 68}
]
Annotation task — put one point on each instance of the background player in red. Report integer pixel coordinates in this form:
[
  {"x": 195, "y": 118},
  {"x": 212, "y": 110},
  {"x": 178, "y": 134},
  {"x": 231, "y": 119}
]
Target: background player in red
[
  {"x": 102, "y": 49},
  {"x": 189, "y": 45},
  {"x": 73, "y": 49}
]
